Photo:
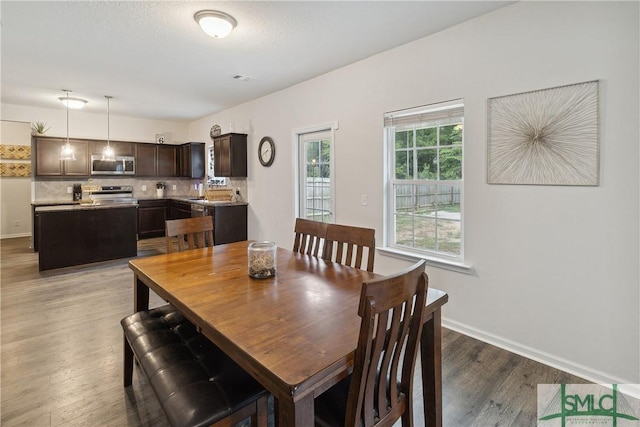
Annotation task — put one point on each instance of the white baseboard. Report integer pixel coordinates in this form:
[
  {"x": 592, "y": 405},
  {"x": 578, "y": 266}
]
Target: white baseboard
[
  {"x": 13, "y": 236},
  {"x": 539, "y": 356}
]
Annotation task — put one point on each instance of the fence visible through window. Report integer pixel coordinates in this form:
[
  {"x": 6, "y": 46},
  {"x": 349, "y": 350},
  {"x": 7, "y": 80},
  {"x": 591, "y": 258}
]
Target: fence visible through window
[{"x": 318, "y": 201}]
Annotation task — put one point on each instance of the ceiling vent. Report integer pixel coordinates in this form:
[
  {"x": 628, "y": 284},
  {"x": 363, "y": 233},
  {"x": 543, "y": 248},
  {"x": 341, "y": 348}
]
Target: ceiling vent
[{"x": 243, "y": 78}]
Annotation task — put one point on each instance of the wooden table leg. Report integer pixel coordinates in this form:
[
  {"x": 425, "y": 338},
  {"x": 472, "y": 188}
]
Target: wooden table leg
[
  {"x": 299, "y": 413},
  {"x": 140, "y": 295},
  {"x": 431, "y": 357}
]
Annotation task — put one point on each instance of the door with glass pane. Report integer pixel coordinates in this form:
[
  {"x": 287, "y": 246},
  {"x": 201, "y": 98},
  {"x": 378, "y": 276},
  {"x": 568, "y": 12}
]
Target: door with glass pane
[{"x": 316, "y": 176}]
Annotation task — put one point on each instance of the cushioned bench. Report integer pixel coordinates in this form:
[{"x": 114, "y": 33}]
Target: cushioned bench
[{"x": 195, "y": 382}]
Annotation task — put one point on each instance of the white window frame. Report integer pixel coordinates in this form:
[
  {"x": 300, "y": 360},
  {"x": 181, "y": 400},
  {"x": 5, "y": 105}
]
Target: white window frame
[
  {"x": 429, "y": 113},
  {"x": 299, "y": 161}
]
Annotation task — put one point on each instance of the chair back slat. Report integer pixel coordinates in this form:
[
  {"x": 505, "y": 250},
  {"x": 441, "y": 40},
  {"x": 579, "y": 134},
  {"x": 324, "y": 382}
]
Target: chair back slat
[
  {"x": 391, "y": 309},
  {"x": 189, "y": 233},
  {"x": 343, "y": 242},
  {"x": 310, "y": 237}
]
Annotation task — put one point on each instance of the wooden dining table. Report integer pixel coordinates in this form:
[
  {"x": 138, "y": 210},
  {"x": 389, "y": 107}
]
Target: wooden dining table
[{"x": 295, "y": 333}]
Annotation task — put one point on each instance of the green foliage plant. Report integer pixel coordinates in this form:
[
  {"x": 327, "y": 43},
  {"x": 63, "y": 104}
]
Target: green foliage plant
[{"x": 39, "y": 127}]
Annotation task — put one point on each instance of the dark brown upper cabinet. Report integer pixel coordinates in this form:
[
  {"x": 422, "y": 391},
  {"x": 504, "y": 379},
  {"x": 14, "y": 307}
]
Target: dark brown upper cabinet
[
  {"x": 230, "y": 155},
  {"x": 121, "y": 148},
  {"x": 156, "y": 160},
  {"x": 192, "y": 160},
  {"x": 47, "y": 157}
]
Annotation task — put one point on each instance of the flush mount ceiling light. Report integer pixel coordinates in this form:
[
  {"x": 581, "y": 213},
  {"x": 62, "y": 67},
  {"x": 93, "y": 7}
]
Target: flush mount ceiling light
[
  {"x": 74, "y": 103},
  {"x": 214, "y": 23}
]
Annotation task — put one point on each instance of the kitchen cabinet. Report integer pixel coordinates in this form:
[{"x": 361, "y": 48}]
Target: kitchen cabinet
[
  {"x": 151, "y": 217},
  {"x": 179, "y": 210},
  {"x": 229, "y": 224},
  {"x": 156, "y": 160},
  {"x": 119, "y": 147},
  {"x": 167, "y": 160},
  {"x": 48, "y": 163},
  {"x": 230, "y": 155},
  {"x": 192, "y": 160},
  {"x": 35, "y": 220},
  {"x": 80, "y": 236}
]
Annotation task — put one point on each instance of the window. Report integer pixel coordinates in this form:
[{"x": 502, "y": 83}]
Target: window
[
  {"x": 316, "y": 184},
  {"x": 424, "y": 180}
]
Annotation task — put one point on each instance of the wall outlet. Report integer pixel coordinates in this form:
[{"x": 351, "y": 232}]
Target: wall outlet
[
  {"x": 17, "y": 223},
  {"x": 144, "y": 188},
  {"x": 69, "y": 190},
  {"x": 238, "y": 191},
  {"x": 173, "y": 187},
  {"x": 363, "y": 199}
]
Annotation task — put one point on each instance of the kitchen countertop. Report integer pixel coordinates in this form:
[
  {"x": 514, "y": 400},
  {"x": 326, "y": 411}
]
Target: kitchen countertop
[
  {"x": 60, "y": 205},
  {"x": 196, "y": 201},
  {"x": 83, "y": 206}
]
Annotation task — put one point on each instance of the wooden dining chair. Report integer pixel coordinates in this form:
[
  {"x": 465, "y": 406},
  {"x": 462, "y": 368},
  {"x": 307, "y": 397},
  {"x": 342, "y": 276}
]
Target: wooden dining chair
[
  {"x": 310, "y": 237},
  {"x": 391, "y": 309},
  {"x": 189, "y": 233},
  {"x": 346, "y": 245}
]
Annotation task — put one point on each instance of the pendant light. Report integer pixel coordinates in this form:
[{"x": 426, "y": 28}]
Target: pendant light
[
  {"x": 67, "y": 152},
  {"x": 108, "y": 153}
]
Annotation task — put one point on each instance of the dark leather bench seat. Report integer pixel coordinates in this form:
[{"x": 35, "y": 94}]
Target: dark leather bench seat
[{"x": 196, "y": 383}]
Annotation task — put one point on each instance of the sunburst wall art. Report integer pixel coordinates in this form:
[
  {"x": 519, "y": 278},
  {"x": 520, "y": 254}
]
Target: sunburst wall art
[{"x": 544, "y": 137}]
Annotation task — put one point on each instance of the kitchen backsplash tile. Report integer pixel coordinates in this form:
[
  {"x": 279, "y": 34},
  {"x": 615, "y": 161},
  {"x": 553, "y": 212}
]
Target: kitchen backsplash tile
[{"x": 59, "y": 190}]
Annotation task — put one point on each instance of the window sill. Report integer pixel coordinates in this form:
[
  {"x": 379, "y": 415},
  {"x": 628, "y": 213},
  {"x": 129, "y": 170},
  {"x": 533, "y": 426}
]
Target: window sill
[{"x": 432, "y": 261}]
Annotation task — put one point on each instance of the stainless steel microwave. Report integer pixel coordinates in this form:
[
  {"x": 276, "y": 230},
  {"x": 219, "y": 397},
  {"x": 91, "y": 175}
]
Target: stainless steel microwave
[{"x": 123, "y": 165}]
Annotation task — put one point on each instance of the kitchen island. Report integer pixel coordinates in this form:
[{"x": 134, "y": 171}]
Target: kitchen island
[{"x": 81, "y": 234}]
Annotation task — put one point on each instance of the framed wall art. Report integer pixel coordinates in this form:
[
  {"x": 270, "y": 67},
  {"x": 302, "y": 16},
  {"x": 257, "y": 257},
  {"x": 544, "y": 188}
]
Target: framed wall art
[{"x": 544, "y": 137}]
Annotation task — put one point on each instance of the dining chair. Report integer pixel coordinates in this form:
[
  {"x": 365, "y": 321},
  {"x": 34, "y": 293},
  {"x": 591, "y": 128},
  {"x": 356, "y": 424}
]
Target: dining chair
[
  {"x": 346, "y": 244},
  {"x": 189, "y": 233},
  {"x": 310, "y": 237},
  {"x": 391, "y": 309}
]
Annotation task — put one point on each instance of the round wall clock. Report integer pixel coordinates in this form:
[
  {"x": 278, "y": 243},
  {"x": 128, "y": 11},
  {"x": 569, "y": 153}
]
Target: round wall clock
[
  {"x": 215, "y": 131},
  {"x": 266, "y": 151}
]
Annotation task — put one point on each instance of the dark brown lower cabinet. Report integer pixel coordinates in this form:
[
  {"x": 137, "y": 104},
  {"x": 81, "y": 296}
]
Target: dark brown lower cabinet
[
  {"x": 82, "y": 236},
  {"x": 229, "y": 224},
  {"x": 151, "y": 217},
  {"x": 179, "y": 210},
  {"x": 229, "y": 221}
]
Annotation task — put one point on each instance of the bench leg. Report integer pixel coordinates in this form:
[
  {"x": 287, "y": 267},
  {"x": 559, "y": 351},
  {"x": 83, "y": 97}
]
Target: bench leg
[
  {"x": 128, "y": 363},
  {"x": 262, "y": 411}
]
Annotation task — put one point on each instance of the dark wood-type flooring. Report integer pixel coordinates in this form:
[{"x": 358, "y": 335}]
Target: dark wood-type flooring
[{"x": 61, "y": 354}]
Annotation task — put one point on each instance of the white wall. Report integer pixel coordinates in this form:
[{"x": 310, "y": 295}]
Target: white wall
[
  {"x": 16, "y": 204},
  {"x": 94, "y": 126},
  {"x": 556, "y": 268},
  {"x": 15, "y": 192}
]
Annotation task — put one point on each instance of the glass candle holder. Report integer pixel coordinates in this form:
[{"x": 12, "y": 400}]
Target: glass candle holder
[{"x": 262, "y": 259}]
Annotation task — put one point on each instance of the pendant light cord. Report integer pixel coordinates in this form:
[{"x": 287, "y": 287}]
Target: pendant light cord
[
  {"x": 108, "y": 120},
  {"x": 67, "y": 117}
]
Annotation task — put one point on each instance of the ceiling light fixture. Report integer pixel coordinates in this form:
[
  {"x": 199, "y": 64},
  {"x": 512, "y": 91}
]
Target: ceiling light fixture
[
  {"x": 215, "y": 23},
  {"x": 75, "y": 103},
  {"x": 108, "y": 153},
  {"x": 67, "y": 152}
]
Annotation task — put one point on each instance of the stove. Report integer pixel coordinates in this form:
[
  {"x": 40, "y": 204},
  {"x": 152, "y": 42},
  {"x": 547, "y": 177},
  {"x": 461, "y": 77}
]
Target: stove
[{"x": 111, "y": 194}]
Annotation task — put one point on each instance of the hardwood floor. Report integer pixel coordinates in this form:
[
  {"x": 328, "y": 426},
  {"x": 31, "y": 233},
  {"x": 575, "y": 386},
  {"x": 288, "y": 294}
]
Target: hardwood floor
[{"x": 61, "y": 354}]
